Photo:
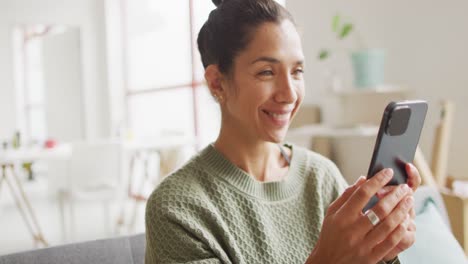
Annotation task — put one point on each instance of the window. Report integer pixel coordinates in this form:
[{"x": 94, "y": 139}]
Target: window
[
  {"x": 29, "y": 80},
  {"x": 164, "y": 75}
]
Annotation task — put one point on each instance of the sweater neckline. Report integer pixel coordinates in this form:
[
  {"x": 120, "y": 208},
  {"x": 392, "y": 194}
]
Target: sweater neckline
[{"x": 216, "y": 164}]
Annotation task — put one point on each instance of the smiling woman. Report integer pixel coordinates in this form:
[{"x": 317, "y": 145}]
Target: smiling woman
[
  {"x": 262, "y": 91},
  {"x": 249, "y": 198}
]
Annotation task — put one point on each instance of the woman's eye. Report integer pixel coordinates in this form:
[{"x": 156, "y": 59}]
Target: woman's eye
[
  {"x": 298, "y": 71},
  {"x": 266, "y": 73}
]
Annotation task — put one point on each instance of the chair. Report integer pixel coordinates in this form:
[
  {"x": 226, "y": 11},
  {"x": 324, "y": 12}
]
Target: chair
[
  {"x": 155, "y": 163},
  {"x": 93, "y": 173}
]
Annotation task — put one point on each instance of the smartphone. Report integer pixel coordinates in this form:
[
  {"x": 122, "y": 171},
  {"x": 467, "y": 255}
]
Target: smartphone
[{"x": 397, "y": 140}]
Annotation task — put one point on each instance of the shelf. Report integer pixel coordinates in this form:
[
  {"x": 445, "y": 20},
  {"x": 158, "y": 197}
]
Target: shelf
[
  {"x": 352, "y": 107},
  {"x": 381, "y": 89}
]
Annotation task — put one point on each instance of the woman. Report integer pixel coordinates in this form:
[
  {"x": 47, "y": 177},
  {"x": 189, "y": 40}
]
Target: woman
[{"x": 248, "y": 199}]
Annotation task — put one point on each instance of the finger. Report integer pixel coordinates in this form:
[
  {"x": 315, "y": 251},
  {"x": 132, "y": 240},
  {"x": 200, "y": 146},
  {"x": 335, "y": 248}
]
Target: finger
[
  {"x": 387, "y": 204},
  {"x": 385, "y": 247},
  {"x": 414, "y": 179},
  {"x": 409, "y": 221},
  {"x": 393, "y": 253},
  {"x": 406, "y": 223},
  {"x": 385, "y": 190},
  {"x": 412, "y": 226},
  {"x": 362, "y": 195},
  {"x": 412, "y": 213},
  {"x": 345, "y": 196},
  {"x": 406, "y": 242},
  {"x": 398, "y": 217}
]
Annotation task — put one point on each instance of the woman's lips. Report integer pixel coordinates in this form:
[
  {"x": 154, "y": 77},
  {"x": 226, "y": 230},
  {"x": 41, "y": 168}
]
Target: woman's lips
[{"x": 278, "y": 118}]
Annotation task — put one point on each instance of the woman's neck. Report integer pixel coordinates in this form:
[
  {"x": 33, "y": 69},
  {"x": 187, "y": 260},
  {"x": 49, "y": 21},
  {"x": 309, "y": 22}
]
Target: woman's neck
[{"x": 260, "y": 159}]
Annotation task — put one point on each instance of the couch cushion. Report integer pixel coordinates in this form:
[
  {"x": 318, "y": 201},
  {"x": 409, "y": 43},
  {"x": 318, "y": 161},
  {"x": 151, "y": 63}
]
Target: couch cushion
[
  {"x": 138, "y": 245},
  {"x": 427, "y": 192},
  {"x": 123, "y": 250},
  {"x": 435, "y": 242}
]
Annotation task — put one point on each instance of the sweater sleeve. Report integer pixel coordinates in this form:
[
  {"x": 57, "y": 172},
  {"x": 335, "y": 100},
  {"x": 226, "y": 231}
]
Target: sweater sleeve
[
  {"x": 172, "y": 241},
  {"x": 393, "y": 261}
]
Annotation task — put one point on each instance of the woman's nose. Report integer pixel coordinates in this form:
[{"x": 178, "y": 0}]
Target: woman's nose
[{"x": 286, "y": 92}]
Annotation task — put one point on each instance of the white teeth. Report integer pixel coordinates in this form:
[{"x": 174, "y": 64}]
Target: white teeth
[{"x": 278, "y": 116}]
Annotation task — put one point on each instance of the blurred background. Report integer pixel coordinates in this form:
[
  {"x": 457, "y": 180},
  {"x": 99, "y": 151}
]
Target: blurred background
[{"x": 100, "y": 99}]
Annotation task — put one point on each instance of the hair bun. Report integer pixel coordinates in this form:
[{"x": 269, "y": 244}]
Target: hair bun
[{"x": 217, "y": 2}]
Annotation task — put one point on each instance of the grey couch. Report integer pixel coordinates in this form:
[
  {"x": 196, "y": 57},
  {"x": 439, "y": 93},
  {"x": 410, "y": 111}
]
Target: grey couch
[
  {"x": 130, "y": 250},
  {"x": 121, "y": 250}
]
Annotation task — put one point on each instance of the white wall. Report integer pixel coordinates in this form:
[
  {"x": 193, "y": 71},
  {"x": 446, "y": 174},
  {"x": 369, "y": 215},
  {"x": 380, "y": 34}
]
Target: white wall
[
  {"x": 88, "y": 15},
  {"x": 426, "y": 43},
  {"x": 115, "y": 67}
]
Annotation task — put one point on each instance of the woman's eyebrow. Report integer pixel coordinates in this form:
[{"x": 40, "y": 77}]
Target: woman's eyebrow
[
  {"x": 266, "y": 59},
  {"x": 274, "y": 60},
  {"x": 300, "y": 62}
]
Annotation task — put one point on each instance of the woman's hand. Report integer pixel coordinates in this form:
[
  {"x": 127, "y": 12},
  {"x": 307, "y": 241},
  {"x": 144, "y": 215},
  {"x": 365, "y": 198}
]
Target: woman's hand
[
  {"x": 414, "y": 180},
  {"x": 348, "y": 236}
]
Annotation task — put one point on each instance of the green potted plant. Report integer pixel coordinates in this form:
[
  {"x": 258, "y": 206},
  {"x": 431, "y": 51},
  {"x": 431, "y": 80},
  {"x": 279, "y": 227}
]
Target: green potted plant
[{"x": 368, "y": 64}]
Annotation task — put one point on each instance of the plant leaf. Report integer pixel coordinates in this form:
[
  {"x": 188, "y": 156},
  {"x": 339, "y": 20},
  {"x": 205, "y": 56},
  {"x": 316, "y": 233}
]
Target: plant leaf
[
  {"x": 347, "y": 28},
  {"x": 323, "y": 54},
  {"x": 336, "y": 23}
]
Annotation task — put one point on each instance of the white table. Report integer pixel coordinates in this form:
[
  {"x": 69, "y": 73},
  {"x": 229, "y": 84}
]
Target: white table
[
  {"x": 35, "y": 153},
  {"x": 10, "y": 162}
]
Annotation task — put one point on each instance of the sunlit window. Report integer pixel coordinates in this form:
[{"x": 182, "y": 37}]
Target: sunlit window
[
  {"x": 165, "y": 90},
  {"x": 29, "y": 81},
  {"x": 165, "y": 84}
]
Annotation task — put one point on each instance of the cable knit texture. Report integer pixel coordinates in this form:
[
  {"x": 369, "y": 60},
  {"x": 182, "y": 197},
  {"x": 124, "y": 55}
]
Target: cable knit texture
[{"x": 211, "y": 211}]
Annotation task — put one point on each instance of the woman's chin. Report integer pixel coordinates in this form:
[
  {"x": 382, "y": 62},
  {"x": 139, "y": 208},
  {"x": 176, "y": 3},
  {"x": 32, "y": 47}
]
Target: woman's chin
[{"x": 276, "y": 137}]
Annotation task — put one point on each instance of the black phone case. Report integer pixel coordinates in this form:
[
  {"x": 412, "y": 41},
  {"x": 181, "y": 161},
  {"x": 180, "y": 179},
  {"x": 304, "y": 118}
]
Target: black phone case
[{"x": 395, "y": 151}]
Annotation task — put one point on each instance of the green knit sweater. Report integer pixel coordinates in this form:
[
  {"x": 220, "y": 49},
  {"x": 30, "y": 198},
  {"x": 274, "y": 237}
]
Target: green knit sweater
[{"x": 210, "y": 211}]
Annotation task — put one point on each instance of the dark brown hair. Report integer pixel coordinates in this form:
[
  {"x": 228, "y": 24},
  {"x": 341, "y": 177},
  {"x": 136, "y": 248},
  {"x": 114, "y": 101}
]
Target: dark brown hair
[{"x": 229, "y": 28}]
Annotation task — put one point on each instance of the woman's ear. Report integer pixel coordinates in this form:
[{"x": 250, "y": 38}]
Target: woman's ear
[{"x": 214, "y": 79}]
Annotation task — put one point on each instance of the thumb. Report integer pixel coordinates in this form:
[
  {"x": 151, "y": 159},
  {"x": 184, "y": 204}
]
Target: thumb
[{"x": 334, "y": 206}]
